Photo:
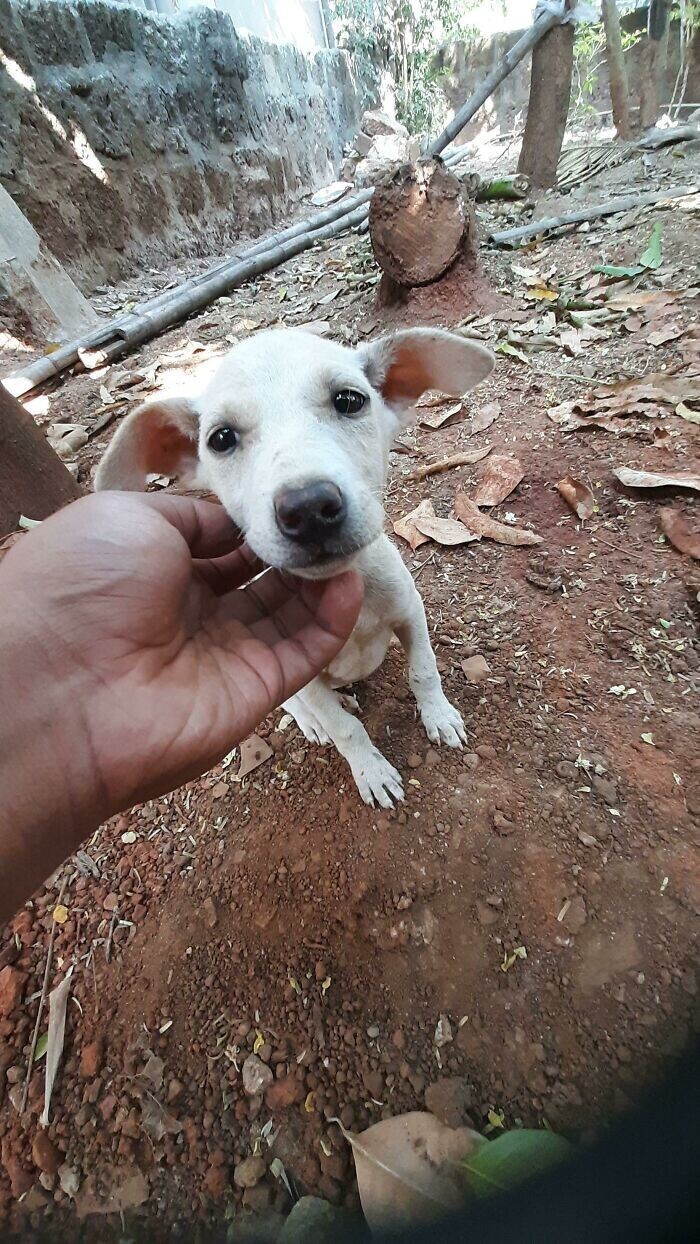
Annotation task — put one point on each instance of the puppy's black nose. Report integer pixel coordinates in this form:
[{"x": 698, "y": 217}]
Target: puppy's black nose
[{"x": 311, "y": 514}]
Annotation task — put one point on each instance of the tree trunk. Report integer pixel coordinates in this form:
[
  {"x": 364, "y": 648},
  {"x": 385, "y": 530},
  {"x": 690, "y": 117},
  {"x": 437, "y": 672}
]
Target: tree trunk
[
  {"x": 420, "y": 220},
  {"x": 548, "y": 106},
  {"x": 617, "y": 72},
  {"x": 33, "y": 480},
  {"x": 654, "y": 61}
]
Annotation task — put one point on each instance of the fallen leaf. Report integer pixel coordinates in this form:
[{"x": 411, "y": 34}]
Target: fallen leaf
[
  {"x": 577, "y": 495},
  {"x": 466, "y": 458},
  {"x": 58, "y": 1001},
  {"x": 406, "y": 527},
  {"x": 319, "y": 328},
  {"x": 571, "y": 339},
  {"x": 497, "y": 479},
  {"x": 677, "y": 529},
  {"x": 648, "y": 738},
  {"x": 513, "y": 1157},
  {"x": 408, "y": 1169},
  {"x": 652, "y": 256},
  {"x": 483, "y": 418},
  {"x": 155, "y": 1119},
  {"x": 653, "y": 479},
  {"x": 649, "y": 396},
  {"x": 661, "y": 335},
  {"x": 693, "y": 416},
  {"x": 444, "y": 530},
  {"x": 481, "y": 525},
  {"x": 443, "y": 1032},
  {"x": 254, "y": 752},
  {"x": 438, "y": 415},
  {"x": 114, "y": 1190},
  {"x": 41, "y": 1047},
  {"x": 504, "y": 347}
]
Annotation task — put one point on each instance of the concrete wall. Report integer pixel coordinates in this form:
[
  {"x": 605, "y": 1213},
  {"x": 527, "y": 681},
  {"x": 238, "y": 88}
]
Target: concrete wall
[{"x": 127, "y": 136}]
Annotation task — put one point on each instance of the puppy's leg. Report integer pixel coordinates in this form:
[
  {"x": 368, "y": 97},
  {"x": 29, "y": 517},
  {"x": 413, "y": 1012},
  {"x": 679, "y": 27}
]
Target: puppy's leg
[
  {"x": 376, "y": 779},
  {"x": 443, "y": 723},
  {"x": 309, "y": 724}
]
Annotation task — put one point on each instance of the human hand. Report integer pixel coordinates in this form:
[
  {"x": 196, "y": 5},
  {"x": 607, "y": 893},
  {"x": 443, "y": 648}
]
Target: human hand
[{"x": 129, "y": 648}]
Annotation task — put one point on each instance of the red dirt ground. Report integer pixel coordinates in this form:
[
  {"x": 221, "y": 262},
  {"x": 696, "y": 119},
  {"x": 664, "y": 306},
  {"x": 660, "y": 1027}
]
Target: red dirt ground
[{"x": 281, "y": 915}]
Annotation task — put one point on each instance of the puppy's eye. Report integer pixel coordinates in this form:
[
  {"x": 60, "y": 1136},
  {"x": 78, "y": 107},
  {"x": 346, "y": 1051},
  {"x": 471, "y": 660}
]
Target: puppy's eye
[
  {"x": 223, "y": 440},
  {"x": 348, "y": 401}
]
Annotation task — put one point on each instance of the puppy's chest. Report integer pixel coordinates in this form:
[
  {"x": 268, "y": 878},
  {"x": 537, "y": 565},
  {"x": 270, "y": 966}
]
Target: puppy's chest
[{"x": 364, "y": 651}]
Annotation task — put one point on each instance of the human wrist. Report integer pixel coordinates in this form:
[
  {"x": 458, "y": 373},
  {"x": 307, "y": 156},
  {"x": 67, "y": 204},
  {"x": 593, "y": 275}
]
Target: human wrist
[{"x": 51, "y": 792}]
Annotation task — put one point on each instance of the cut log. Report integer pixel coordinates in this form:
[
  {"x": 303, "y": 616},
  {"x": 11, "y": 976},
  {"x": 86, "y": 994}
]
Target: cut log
[
  {"x": 548, "y": 107},
  {"x": 420, "y": 220},
  {"x": 33, "y": 480},
  {"x": 617, "y": 72}
]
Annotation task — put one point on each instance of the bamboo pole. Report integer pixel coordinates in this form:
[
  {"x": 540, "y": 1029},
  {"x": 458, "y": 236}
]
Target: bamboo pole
[
  {"x": 546, "y": 225},
  {"x": 127, "y": 331}
]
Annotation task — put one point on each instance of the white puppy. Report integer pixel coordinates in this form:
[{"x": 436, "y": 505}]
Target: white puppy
[{"x": 293, "y": 435}]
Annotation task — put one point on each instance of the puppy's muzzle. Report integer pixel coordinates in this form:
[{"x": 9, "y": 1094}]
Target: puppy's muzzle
[{"x": 314, "y": 514}]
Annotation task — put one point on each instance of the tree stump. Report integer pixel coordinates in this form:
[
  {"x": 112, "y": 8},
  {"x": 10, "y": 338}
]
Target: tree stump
[
  {"x": 33, "y": 480},
  {"x": 421, "y": 220}
]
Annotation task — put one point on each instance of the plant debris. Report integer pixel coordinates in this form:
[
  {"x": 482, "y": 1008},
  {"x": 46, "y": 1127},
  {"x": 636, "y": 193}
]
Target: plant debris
[
  {"x": 578, "y": 495},
  {"x": 466, "y": 458},
  {"x": 482, "y": 525},
  {"x": 497, "y": 479},
  {"x": 677, "y": 529},
  {"x": 654, "y": 479}
]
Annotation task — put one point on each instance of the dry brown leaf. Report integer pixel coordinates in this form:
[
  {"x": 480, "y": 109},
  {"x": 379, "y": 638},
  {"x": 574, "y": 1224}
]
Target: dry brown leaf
[
  {"x": 692, "y": 416},
  {"x": 156, "y": 1121},
  {"x": 409, "y": 1169},
  {"x": 444, "y": 530},
  {"x": 470, "y": 514},
  {"x": 437, "y": 416},
  {"x": 677, "y": 529},
  {"x": 483, "y": 418},
  {"x": 654, "y": 479},
  {"x": 112, "y": 1190},
  {"x": 254, "y": 752},
  {"x": 661, "y": 335},
  {"x": 466, "y": 458},
  {"x": 571, "y": 339},
  {"x": 633, "y": 323},
  {"x": 406, "y": 527},
  {"x": 58, "y": 1001},
  {"x": 651, "y": 300},
  {"x": 649, "y": 397},
  {"x": 578, "y": 495},
  {"x": 497, "y": 479}
]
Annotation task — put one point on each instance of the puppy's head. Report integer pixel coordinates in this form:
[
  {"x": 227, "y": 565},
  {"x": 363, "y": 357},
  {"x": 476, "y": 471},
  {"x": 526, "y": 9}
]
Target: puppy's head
[{"x": 293, "y": 435}]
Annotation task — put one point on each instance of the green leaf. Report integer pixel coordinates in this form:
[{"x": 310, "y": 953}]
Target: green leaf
[
  {"x": 513, "y": 1157},
  {"x": 504, "y": 347},
  {"x": 652, "y": 255},
  {"x": 41, "y": 1047},
  {"x": 615, "y": 270}
]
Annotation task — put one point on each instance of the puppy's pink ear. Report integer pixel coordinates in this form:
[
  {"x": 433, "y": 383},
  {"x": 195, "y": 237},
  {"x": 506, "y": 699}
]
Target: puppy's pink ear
[
  {"x": 405, "y": 365},
  {"x": 159, "y": 438}
]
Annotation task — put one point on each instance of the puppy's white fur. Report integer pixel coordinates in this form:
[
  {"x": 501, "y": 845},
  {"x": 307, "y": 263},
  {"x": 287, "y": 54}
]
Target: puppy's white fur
[{"x": 276, "y": 390}]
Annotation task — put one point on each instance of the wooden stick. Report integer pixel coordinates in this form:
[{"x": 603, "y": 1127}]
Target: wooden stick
[
  {"x": 547, "y": 224},
  {"x": 42, "y": 1000},
  {"x": 467, "y": 458}
]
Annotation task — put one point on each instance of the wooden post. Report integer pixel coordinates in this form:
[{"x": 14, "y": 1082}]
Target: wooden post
[
  {"x": 617, "y": 72},
  {"x": 33, "y": 480},
  {"x": 548, "y": 107},
  {"x": 654, "y": 61}
]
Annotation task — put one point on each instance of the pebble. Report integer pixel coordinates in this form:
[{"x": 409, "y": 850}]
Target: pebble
[
  {"x": 210, "y": 914},
  {"x": 91, "y": 1057},
  {"x": 606, "y": 788},
  {"x": 249, "y": 1172},
  {"x": 373, "y": 1031},
  {"x": 111, "y": 902},
  {"x": 470, "y": 760},
  {"x": 284, "y": 1093},
  {"x": 45, "y": 1155},
  {"x": 502, "y": 825},
  {"x": 256, "y": 1076},
  {"x": 450, "y": 1100},
  {"x": 587, "y": 839},
  {"x": 567, "y": 769},
  {"x": 12, "y": 983},
  {"x": 486, "y": 751},
  {"x": 476, "y": 668},
  {"x": 414, "y": 761},
  {"x": 576, "y": 915}
]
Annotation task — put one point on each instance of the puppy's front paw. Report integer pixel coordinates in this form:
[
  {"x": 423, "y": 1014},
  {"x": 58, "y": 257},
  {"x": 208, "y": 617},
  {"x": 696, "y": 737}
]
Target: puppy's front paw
[
  {"x": 443, "y": 724},
  {"x": 377, "y": 780}
]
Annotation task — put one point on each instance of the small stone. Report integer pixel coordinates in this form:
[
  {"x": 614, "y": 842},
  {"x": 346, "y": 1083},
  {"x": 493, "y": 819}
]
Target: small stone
[
  {"x": 12, "y": 983},
  {"x": 494, "y": 900},
  {"x": 476, "y": 668},
  {"x": 91, "y": 1057},
  {"x": 470, "y": 760},
  {"x": 606, "y": 788},
  {"x": 575, "y": 916},
  {"x": 567, "y": 769},
  {"x": 175, "y": 1090},
  {"x": 502, "y": 825},
  {"x": 486, "y": 751},
  {"x": 373, "y": 1032},
  {"x": 216, "y": 1180},
  {"x": 312, "y": 1219},
  {"x": 587, "y": 840},
  {"x": 374, "y": 1083},
  {"x": 414, "y": 761},
  {"x": 210, "y": 913},
  {"x": 249, "y": 1172},
  {"x": 111, "y": 902},
  {"x": 256, "y": 1076},
  {"x": 450, "y": 1100},
  {"x": 398, "y": 1039},
  {"x": 258, "y": 1200},
  {"x": 284, "y": 1093},
  {"x": 485, "y": 914},
  {"x": 45, "y": 1155}
]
